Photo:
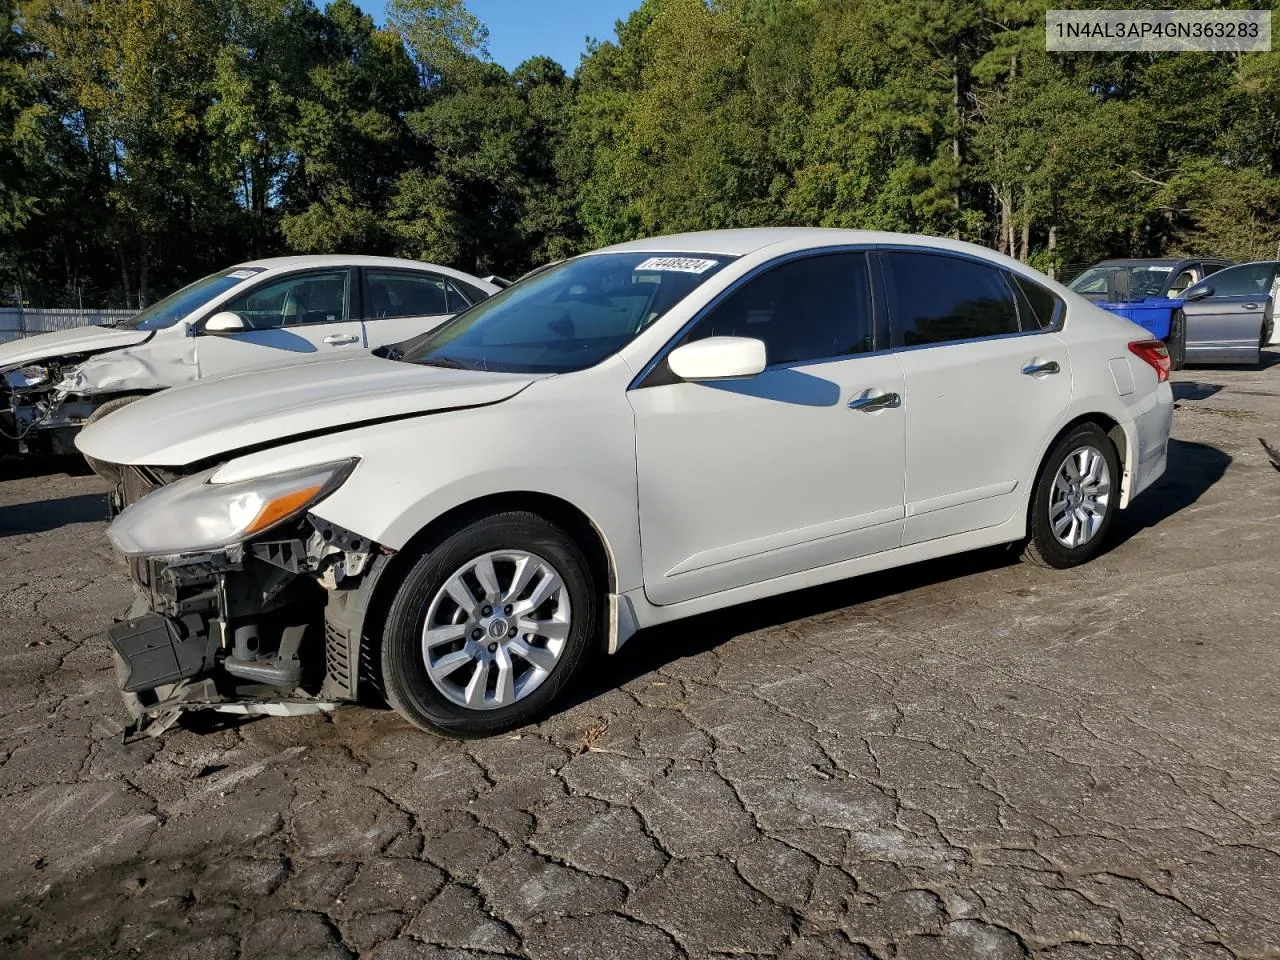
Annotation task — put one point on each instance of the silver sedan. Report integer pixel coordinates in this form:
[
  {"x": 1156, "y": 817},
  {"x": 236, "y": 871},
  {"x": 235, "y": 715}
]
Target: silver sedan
[{"x": 1228, "y": 315}]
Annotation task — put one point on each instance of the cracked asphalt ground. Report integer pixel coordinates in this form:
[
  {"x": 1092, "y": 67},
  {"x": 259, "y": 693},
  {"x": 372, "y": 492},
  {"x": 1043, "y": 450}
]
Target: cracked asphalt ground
[{"x": 968, "y": 758}]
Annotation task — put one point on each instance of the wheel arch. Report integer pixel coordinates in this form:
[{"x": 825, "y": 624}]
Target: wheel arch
[
  {"x": 1116, "y": 433},
  {"x": 368, "y": 616}
]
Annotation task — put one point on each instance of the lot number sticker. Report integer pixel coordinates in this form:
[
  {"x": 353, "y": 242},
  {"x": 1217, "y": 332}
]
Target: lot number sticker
[{"x": 679, "y": 264}]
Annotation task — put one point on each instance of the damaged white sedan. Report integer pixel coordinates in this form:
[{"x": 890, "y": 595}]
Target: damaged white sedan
[
  {"x": 264, "y": 313},
  {"x": 634, "y": 436}
]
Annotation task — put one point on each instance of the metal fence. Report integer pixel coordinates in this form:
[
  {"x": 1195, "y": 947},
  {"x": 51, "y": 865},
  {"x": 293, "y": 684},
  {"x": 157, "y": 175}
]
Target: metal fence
[{"x": 18, "y": 322}]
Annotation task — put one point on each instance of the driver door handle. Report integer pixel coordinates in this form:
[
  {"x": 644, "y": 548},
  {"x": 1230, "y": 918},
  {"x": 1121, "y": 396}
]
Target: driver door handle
[
  {"x": 870, "y": 402},
  {"x": 1251, "y": 306},
  {"x": 338, "y": 339},
  {"x": 1033, "y": 369}
]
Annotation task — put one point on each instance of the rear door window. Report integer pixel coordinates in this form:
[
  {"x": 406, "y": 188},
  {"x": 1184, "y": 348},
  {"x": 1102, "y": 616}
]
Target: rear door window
[
  {"x": 398, "y": 293},
  {"x": 935, "y": 298}
]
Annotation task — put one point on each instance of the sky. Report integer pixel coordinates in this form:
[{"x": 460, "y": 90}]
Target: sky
[{"x": 519, "y": 29}]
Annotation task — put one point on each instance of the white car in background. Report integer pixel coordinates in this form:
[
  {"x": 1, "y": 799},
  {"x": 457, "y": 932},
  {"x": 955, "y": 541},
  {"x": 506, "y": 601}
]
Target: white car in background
[
  {"x": 651, "y": 431},
  {"x": 261, "y": 313}
]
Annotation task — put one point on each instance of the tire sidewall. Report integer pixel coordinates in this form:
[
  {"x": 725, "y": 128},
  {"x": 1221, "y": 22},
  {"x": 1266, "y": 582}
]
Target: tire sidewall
[
  {"x": 404, "y": 675},
  {"x": 1054, "y": 553}
]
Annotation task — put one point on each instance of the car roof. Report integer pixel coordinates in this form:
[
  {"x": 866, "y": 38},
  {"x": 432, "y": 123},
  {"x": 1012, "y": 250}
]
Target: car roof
[
  {"x": 748, "y": 240},
  {"x": 1156, "y": 261},
  {"x": 352, "y": 260}
]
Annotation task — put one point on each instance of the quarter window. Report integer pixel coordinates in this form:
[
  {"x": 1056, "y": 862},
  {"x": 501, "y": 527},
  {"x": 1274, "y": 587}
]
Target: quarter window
[
  {"x": 294, "y": 300},
  {"x": 939, "y": 299},
  {"x": 815, "y": 308},
  {"x": 1037, "y": 306}
]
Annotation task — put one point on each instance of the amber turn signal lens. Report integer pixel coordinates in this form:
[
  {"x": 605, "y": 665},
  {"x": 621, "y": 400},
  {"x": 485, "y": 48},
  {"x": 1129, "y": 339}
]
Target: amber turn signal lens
[{"x": 273, "y": 511}]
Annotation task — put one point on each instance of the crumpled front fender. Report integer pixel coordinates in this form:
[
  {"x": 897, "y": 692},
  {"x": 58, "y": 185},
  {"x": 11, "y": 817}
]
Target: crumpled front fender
[{"x": 155, "y": 365}]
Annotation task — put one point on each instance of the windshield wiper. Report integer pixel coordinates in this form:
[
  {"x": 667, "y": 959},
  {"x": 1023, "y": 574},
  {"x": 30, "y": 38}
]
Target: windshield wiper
[
  {"x": 389, "y": 351},
  {"x": 442, "y": 361}
]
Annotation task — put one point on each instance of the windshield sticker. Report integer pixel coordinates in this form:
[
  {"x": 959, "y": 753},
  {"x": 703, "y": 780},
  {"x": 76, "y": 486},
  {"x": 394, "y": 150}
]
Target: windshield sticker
[
  {"x": 242, "y": 274},
  {"x": 679, "y": 264}
]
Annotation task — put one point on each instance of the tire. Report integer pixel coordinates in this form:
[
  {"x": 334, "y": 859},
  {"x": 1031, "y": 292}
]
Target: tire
[
  {"x": 109, "y": 472},
  {"x": 1177, "y": 342},
  {"x": 424, "y": 598},
  {"x": 1263, "y": 340},
  {"x": 1049, "y": 501}
]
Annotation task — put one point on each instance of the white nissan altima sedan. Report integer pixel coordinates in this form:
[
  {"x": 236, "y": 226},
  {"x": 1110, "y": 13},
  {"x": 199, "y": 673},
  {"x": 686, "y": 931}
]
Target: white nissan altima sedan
[{"x": 653, "y": 430}]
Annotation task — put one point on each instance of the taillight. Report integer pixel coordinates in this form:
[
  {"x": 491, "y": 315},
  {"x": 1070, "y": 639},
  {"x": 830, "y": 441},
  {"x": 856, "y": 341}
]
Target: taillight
[{"x": 1155, "y": 353}]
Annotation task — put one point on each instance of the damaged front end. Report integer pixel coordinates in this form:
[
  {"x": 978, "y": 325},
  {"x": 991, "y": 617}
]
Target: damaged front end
[
  {"x": 38, "y": 415},
  {"x": 255, "y": 626}
]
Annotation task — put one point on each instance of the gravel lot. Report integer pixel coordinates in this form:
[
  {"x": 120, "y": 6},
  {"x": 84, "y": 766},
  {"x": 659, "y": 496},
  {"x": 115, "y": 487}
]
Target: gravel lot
[{"x": 968, "y": 758}]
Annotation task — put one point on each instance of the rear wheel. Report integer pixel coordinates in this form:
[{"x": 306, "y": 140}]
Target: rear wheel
[
  {"x": 1075, "y": 500},
  {"x": 489, "y": 626},
  {"x": 109, "y": 472},
  {"x": 1177, "y": 342},
  {"x": 1265, "y": 338}
]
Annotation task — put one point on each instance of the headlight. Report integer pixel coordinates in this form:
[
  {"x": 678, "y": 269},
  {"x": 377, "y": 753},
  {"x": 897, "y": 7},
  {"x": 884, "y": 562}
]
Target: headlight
[
  {"x": 24, "y": 378},
  {"x": 194, "y": 515}
]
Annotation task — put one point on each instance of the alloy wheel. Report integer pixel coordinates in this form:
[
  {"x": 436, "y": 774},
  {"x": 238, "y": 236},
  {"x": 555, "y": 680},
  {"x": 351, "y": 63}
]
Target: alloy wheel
[
  {"x": 496, "y": 628},
  {"x": 1080, "y": 497}
]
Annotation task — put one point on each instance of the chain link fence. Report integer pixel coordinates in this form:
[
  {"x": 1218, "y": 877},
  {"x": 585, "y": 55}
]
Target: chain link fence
[{"x": 18, "y": 322}]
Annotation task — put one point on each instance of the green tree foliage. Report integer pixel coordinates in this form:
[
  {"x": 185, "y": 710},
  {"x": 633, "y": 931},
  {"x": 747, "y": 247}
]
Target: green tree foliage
[{"x": 145, "y": 142}]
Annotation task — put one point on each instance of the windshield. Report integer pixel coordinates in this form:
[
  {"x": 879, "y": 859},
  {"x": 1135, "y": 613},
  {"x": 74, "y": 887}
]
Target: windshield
[
  {"x": 567, "y": 317},
  {"x": 1145, "y": 280},
  {"x": 191, "y": 297}
]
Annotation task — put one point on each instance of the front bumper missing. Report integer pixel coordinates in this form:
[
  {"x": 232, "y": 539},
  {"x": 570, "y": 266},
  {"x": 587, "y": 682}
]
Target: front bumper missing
[{"x": 263, "y": 629}]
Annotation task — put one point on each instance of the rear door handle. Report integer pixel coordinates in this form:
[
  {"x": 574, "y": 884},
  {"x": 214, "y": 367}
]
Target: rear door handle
[
  {"x": 870, "y": 402},
  {"x": 338, "y": 339},
  {"x": 1034, "y": 369}
]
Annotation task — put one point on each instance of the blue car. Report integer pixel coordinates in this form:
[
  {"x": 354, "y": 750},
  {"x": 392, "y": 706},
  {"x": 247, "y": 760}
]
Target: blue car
[{"x": 1148, "y": 292}]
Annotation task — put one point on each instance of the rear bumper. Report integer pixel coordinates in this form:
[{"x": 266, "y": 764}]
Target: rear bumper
[{"x": 1148, "y": 435}]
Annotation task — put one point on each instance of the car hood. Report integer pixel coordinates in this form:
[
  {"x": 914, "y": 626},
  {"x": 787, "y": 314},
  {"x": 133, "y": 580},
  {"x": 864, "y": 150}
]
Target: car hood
[
  {"x": 210, "y": 418},
  {"x": 61, "y": 343}
]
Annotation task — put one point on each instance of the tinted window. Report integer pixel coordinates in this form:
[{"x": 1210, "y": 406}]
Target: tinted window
[
  {"x": 937, "y": 299},
  {"x": 568, "y": 317},
  {"x": 1248, "y": 280},
  {"x": 406, "y": 295},
  {"x": 808, "y": 309},
  {"x": 1037, "y": 306},
  {"x": 293, "y": 300},
  {"x": 469, "y": 290}
]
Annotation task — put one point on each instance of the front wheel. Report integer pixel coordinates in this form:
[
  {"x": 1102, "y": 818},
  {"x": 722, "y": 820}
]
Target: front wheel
[
  {"x": 1075, "y": 499},
  {"x": 488, "y": 627},
  {"x": 107, "y": 471}
]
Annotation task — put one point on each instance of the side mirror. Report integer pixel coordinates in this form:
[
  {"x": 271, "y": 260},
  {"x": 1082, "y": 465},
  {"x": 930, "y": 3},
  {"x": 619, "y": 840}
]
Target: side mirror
[
  {"x": 1198, "y": 293},
  {"x": 718, "y": 358},
  {"x": 224, "y": 322}
]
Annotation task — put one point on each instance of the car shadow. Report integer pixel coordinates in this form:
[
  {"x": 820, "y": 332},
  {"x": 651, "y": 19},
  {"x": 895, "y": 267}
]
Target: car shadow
[
  {"x": 1194, "y": 390},
  {"x": 24, "y": 468},
  {"x": 1193, "y": 468},
  {"x": 45, "y": 515},
  {"x": 658, "y": 646}
]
